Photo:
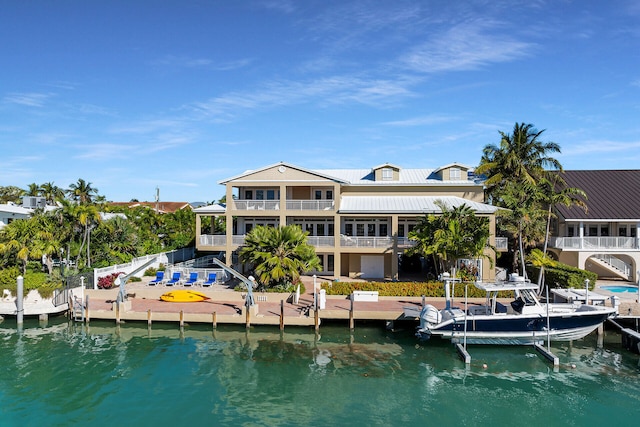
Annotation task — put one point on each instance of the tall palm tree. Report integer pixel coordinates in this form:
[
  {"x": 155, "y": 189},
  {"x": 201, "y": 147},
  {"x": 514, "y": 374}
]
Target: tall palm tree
[
  {"x": 82, "y": 192},
  {"x": 11, "y": 193},
  {"x": 555, "y": 192},
  {"x": 513, "y": 170},
  {"x": 520, "y": 157},
  {"x": 279, "y": 254},
  {"x": 87, "y": 216}
]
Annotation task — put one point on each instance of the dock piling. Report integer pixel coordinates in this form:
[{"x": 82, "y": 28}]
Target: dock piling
[
  {"x": 351, "y": 321},
  {"x": 281, "y": 315},
  {"x": 214, "y": 320}
]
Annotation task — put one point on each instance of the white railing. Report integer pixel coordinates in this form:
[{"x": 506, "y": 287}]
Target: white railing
[
  {"x": 170, "y": 257},
  {"x": 213, "y": 239},
  {"x": 310, "y": 205},
  {"x": 366, "y": 242},
  {"x": 591, "y": 243},
  {"x": 616, "y": 263},
  {"x": 238, "y": 240},
  {"x": 259, "y": 205},
  {"x": 321, "y": 241},
  {"x": 405, "y": 242}
]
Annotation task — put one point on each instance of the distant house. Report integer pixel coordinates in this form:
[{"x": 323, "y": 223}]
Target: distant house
[
  {"x": 358, "y": 220},
  {"x": 161, "y": 207},
  {"x": 605, "y": 239},
  {"x": 11, "y": 211}
]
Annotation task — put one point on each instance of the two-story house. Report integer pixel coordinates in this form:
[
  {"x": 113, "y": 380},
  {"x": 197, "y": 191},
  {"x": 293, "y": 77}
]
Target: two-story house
[
  {"x": 605, "y": 238},
  {"x": 357, "y": 219}
]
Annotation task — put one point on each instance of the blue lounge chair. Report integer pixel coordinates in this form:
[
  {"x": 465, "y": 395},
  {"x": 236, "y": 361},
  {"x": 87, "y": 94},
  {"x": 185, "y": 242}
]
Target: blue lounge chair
[
  {"x": 159, "y": 278},
  {"x": 174, "y": 279},
  {"x": 211, "y": 280},
  {"x": 193, "y": 278}
]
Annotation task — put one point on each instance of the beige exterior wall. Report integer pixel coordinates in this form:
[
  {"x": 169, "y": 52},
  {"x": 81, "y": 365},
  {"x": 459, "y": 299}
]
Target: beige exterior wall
[{"x": 298, "y": 185}]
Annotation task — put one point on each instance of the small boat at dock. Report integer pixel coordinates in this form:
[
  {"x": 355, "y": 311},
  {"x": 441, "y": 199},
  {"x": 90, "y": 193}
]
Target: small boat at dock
[
  {"x": 525, "y": 320},
  {"x": 183, "y": 295}
]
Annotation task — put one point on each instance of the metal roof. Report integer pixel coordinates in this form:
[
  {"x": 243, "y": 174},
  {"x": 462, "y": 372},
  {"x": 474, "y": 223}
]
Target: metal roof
[
  {"x": 611, "y": 195},
  {"x": 407, "y": 204},
  {"x": 406, "y": 177}
]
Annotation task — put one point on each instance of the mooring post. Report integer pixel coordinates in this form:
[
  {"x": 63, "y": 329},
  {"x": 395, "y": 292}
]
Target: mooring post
[
  {"x": 316, "y": 319},
  {"x": 281, "y": 315},
  {"x": 214, "y": 320},
  {"x": 351, "y": 322},
  {"x": 248, "y": 316},
  {"x": 20, "y": 302},
  {"x": 149, "y": 317},
  {"x": 117, "y": 312},
  {"x": 181, "y": 319},
  {"x": 86, "y": 308}
]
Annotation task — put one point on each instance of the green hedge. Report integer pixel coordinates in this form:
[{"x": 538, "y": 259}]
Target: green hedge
[
  {"x": 564, "y": 276},
  {"x": 32, "y": 280},
  {"x": 401, "y": 289}
]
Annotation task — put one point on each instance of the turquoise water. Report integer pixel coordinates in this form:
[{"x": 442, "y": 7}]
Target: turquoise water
[
  {"x": 619, "y": 288},
  {"x": 101, "y": 375}
]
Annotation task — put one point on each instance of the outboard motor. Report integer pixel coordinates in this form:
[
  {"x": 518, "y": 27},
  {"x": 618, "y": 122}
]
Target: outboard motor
[{"x": 429, "y": 316}]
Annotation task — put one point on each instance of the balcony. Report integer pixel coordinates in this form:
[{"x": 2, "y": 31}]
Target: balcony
[
  {"x": 365, "y": 242},
  {"x": 321, "y": 241},
  {"x": 213, "y": 240},
  {"x": 310, "y": 205},
  {"x": 595, "y": 243},
  {"x": 260, "y": 205}
]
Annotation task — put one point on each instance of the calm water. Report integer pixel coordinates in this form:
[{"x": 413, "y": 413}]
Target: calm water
[{"x": 61, "y": 374}]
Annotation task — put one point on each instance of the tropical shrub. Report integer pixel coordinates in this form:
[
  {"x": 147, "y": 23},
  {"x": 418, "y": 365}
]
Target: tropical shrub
[
  {"x": 564, "y": 276},
  {"x": 407, "y": 289}
]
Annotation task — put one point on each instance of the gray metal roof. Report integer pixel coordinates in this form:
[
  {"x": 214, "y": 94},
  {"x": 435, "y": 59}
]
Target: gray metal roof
[
  {"x": 215, "y": 208},
  {"x": 406, "y": 177},
  {"x": 407, "y": 204},
  {"x": 611, "y": 195}
]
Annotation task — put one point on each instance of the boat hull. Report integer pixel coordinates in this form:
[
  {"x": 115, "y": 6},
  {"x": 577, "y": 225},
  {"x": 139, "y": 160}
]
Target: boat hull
[
  {"x": 518, "y": 329},
  {"x": 183, "y": 295}
]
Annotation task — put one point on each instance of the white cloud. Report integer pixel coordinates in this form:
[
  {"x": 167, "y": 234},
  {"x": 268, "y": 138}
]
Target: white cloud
[
  {"x": 31, "y": 99},
  {"x": 466, "y": 46},
  {"x": 421, "y": 121},
  {"x": 601, "y": 146}
]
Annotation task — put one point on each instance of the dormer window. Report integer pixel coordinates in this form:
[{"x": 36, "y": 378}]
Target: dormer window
[
  {"x": 387, "y": 174},
  {"x": 454, "y": 174}
]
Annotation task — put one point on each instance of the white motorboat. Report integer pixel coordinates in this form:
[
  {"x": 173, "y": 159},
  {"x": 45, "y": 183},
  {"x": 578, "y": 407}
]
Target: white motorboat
[{"x": 524, "y": 320}]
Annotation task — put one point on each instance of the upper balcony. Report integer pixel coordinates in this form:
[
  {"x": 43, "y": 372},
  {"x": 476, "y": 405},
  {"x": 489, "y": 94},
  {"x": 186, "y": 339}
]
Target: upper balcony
[
  {"x": 292, "y": 205},
  {"x": 595, "y": 243}
]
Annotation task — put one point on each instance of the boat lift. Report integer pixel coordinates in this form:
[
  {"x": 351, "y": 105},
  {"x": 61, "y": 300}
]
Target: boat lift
[{"x": 250, "y": 282}]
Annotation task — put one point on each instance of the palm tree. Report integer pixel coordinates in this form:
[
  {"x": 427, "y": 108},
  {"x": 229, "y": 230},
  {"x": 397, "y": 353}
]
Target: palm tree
[
  {"x": 87, "y": 216},
  {"x": 51, "y": 192},
  {"x": 513, "y": 170},
  {"x": 82, "y": 192},
  {"x": 33, "y": 190},
  {"x": 279, "y": 255},
  {"x": 555, "y": 192},
  {"x": 18, "y": 238},
  {"x": 456, "y": 233},
  {"x": 520, "y": 157},
  {"x": 11, "y": 193}
]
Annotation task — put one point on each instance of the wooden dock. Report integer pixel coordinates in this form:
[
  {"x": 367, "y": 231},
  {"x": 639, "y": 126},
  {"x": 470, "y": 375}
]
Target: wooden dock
[{"x": 228, "y": 307}]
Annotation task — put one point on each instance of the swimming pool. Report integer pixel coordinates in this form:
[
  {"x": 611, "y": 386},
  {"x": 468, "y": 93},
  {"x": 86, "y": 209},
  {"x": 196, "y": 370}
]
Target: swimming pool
[{"x": 619, "y": 288}]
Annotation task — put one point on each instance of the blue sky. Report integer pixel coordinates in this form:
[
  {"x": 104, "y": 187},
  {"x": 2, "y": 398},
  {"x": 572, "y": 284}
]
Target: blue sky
[{"x": 134, "y": 95}]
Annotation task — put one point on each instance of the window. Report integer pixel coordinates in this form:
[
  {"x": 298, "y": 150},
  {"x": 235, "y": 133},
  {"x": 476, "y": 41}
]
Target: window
[
  {"x": 330, "y": 229},
  {"x": 247, "y": 228},
  {"x": 593, "y": 230},
  {"x": 271, "y": 195},
  {"x": 454, "y": 174},
  {"x": 309, "y": 228},
  {"x": 383, "y": 230},
  {"x": 330, "y": 263},
  {"x": 348, "y": 229},
  {"x": 604, "y": 230},
  {"x": 318, "y": 194},
  {"x": 259, "y": 194},
  {"x": 248, "y": 194},
  {"x": 320, "y": 229},
  {"x": 329, "y": 194},
  {"x": 400, "y": 230},
  {"x": 387, "y": 174},
  {"x": 371, "y": 229},
  {"x": 359, "y": 230},
  {"x": 571, "y": 231}
]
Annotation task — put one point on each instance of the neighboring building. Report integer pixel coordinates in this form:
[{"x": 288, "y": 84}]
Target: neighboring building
[
  {"x": 357, "y": 219},
  {"x": 605, "y": 238},
  {"x": 160, "y": 207},
  {"x": 12, "y": 211}
]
